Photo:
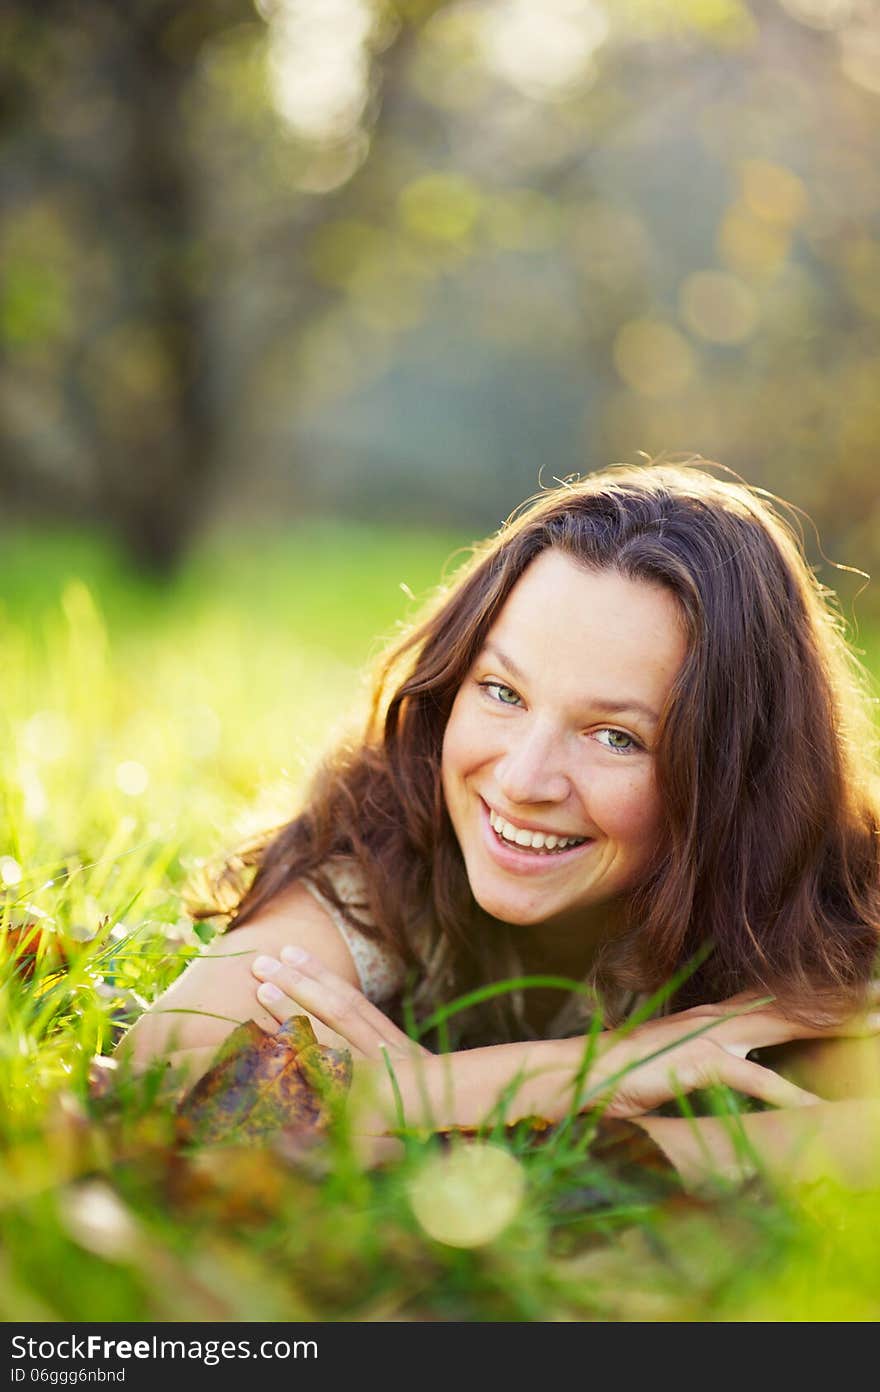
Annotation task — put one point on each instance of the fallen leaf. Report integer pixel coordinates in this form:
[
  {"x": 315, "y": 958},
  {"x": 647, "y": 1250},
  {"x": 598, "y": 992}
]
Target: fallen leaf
[
  {"x": 260, "y": 1083},
  {"x": 31, "y": 938}
]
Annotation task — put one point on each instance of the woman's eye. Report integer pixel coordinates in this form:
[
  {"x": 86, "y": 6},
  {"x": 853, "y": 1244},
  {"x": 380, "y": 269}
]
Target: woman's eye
[
  {"x": 505, "y": 695},
  {"x": 618, "y": 740}
]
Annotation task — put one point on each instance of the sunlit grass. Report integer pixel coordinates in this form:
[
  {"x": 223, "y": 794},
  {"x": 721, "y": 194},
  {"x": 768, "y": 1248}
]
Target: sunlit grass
[{"x": 143, "y": 730}]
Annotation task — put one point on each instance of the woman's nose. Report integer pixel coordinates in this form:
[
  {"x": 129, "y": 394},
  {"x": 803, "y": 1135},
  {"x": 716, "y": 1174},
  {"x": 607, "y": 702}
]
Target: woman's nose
[{"x": 532, "y": 770}]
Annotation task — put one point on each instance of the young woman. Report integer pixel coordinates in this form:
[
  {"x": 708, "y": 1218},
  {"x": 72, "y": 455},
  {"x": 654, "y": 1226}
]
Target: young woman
[{"x": 626, "y": 746}]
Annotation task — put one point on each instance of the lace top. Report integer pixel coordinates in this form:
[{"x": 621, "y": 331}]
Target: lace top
[{"x": 380, "y": 968}]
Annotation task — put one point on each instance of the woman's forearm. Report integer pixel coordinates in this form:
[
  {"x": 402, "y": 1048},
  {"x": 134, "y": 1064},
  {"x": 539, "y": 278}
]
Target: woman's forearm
[
  {"x": 793, "y": 1144},
  {"x": 512, "y": 1081},
  {"x": 840, "y": 1140}
]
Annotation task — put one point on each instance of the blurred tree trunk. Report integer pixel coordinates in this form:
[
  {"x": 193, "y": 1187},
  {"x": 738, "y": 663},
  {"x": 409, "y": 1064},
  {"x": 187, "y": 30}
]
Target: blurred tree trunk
[{"x": 155, "y": 416}]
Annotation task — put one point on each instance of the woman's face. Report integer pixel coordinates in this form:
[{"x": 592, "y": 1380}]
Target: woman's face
[{"x": 551, "y": 741}]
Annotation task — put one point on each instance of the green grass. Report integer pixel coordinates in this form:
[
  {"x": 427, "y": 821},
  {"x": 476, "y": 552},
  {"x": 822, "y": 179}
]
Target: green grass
[{"x": 143, "y": 730}]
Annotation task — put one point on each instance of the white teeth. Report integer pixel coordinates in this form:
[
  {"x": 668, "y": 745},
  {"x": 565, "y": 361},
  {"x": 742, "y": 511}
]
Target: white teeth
[{"x": 534, "y": 840}]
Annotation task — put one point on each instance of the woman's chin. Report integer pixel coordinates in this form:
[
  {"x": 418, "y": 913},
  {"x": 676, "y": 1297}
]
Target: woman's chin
[{"x": 507, "y": 908}]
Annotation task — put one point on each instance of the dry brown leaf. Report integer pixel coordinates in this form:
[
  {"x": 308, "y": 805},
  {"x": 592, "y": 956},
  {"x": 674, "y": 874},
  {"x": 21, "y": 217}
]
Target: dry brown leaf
[
  {"x": 261, "y": 1083},
  {"x": 29, "y": 939}
]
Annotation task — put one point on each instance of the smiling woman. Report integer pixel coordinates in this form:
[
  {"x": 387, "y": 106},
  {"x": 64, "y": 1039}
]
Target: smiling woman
[
  {"x": 558, "y": 814},
  {"x": 628, "y": 744}
]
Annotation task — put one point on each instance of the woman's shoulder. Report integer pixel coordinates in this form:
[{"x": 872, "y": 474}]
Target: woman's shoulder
[{"x": 379, "y": 966}]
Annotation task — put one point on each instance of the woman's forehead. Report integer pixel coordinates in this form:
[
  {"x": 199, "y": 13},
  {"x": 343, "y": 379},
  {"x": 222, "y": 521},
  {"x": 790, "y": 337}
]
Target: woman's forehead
[{"x": 578, "y": 625}]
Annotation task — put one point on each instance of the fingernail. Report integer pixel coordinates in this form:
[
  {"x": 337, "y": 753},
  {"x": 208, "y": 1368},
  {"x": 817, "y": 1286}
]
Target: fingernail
[
  {"x": 269, "y": 994},
  {"x": 267, "y": 966},
  {"x": 294, "y": 956},
  {"x": 873, "y": 1022}
]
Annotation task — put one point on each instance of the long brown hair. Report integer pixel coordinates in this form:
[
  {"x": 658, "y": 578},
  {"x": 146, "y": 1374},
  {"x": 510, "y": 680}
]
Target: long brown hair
[{"x": 765, "y": 764}]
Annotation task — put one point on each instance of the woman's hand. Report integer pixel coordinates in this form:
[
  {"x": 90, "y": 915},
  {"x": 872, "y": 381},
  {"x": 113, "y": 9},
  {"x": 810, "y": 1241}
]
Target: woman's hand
[
  {"x": 703, "y": 1046},
  {"x": 745, "y": 1022},
  {"x": 300, "y": 982}
]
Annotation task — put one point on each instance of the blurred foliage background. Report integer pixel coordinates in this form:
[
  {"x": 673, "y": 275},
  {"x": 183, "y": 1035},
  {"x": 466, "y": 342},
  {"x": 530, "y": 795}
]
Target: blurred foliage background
[
  {"x": 295, "y": 297},
  {"x": 401, "y": 259}
]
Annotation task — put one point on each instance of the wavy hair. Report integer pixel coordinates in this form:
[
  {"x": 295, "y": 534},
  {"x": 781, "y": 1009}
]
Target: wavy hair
[{"x": 765, "y": 763}]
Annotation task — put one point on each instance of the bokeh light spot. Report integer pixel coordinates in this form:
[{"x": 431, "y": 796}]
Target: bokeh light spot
[
  {"x": 653, "y": 357},
  {"x": 467, "y": 1196},
  {"x": 547, "y": 50},
  {"x": 46, "y": 736},
  {"x": 98, "y": 1220},
  {"x": 131, "y": 777},
  {"x": 750, "y": 244},
  {"x": 10, "y": 871},
  {"x": 318, "y": 68},
  {"x": 441, "y": 207},
  {"x": 772, "y": 192},
  {"x": 718, "y": 307}
]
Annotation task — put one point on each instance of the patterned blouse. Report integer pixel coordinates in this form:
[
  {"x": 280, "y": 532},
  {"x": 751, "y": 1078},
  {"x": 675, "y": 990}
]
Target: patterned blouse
[{"x": 380, "y": 968}]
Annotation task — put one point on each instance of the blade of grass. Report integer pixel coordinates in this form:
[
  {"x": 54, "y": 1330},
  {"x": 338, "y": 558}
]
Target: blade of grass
[{"x": 498, "y": 988}]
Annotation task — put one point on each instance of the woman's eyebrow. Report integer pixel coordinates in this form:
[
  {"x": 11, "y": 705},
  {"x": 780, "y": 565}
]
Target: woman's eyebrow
[{"x": 609, "y": 707}]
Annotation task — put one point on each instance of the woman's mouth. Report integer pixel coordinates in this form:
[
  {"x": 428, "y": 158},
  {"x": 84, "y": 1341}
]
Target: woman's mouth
[
  {"x": 519, "y": 845},
  {"x": 545, "y": 843}
]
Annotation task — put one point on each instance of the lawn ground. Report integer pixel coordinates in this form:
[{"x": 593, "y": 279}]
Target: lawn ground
[{"x": 143, "y": 729}]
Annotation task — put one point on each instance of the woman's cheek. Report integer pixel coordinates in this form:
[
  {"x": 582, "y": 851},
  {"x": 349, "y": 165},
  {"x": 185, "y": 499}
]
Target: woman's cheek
[
  {"x": 467, "y": 741},
  {"x": 458, "y": 757},
  {"x": 633, "y": 808}
]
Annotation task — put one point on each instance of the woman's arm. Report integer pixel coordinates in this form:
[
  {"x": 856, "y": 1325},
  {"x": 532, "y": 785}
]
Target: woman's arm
[
  {"x": 544, "y": 1078},
  {"x": 801, "y": 1142},
  {"x": 837, "y": 1140},
  {"x": 629, "y": 1074},
  {"x": 189, "y": 1021}
]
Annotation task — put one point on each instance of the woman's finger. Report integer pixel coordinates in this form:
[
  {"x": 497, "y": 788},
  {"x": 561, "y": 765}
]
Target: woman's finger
[
  {"x": 750, "y": 1078},
  {"x": 319, "y": 1000},
  {"x": 350, "y": 998},
  {"x": 281, "y": 1007},
  {"x": 765, "y": 1027},
  {"x": 333, "y": 1001},
  {"x": 648, "y": 1082},
  {"x": 739, "y": 1033},
  {"x": 744, "y": 1024}
]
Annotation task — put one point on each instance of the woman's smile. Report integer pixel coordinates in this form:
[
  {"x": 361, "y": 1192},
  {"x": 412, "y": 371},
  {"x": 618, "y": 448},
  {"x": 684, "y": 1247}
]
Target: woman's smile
[
  {"x": 526, "y": 851},
  {"x": 556, "y": 810}
]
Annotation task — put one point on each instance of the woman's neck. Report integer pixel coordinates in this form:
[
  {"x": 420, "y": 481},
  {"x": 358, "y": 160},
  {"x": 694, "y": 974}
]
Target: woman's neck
[{"x": 566, "y": 947}]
